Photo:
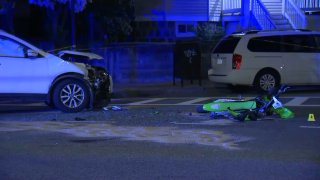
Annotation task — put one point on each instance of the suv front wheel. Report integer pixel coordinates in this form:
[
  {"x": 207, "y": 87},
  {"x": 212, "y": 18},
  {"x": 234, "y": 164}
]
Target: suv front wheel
[{"x": 71, "y": 95}]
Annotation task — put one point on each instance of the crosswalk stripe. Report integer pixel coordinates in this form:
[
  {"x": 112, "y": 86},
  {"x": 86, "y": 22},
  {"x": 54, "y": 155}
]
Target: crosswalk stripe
[
  {"x": 310, "y": 127},
  {"x": 194, "y": 101},
  {"x": 146, "y": 101},
  {"x": 296, "y": 101}
]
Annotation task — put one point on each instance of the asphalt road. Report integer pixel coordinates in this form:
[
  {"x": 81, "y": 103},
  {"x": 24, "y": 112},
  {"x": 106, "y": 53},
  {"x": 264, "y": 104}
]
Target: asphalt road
[{"x": 157, "y": 139}]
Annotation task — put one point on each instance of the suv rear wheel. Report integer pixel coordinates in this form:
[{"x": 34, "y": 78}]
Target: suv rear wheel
[
  {"x": 266, "y": 80},
  {"x": 71, "y": 95}
]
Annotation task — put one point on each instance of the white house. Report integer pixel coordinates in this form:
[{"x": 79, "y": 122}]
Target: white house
[{"x": 169, "y": 19}]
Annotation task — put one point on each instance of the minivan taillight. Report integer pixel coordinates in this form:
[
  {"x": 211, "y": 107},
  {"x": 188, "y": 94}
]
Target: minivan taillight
[{"x": 236, "y": 61}]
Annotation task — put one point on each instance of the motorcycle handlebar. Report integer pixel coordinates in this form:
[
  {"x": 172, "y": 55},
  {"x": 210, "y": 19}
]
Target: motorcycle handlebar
[
  {"x": 277, "y": 91},
  {"x": 283, "y": 88}
]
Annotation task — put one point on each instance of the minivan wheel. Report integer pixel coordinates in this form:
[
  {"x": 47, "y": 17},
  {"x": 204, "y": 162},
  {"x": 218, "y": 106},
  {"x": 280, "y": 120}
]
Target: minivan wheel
[
  {"x": 70, "y": 95},
  {"x": 266, "y": 80}
]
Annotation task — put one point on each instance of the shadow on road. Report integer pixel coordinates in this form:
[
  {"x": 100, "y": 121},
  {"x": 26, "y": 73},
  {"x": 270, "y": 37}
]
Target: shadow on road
[{"x": 34, "y": 107}]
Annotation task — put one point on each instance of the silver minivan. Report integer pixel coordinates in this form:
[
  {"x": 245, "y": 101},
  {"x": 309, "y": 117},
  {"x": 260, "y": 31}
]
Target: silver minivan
[{"x": 267, "y": 58}]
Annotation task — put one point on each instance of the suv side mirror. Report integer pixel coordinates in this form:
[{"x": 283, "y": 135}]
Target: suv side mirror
[{"x": 31, "y": 53}]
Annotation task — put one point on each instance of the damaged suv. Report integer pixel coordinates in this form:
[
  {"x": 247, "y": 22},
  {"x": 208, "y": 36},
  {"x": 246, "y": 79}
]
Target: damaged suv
[{"x": 71, "y": 81}]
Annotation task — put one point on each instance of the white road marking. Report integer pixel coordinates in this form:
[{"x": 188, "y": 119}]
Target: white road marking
[
  {"x": 194, "y": 101},
  {"x": 297, "y": 101},
  {"x": 209, "y": 122},
  {"x": 311, "y": 127},
  {"x": 145, "y": 101}
]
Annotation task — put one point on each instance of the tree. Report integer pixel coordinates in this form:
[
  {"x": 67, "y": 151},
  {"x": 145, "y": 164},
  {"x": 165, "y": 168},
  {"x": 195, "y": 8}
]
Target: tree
[
  {"x": 6, "y": 14},
  {"x": 115, "y": 18},
  {"x": 76, "y": 5},
  {"x": 55, "y": 10},
  {"x": 111, "y": 18},
  {"x": 56, "y": 19}
]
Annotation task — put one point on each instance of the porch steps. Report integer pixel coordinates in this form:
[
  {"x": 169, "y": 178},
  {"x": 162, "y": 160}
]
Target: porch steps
[
  {"x": 274, "y": 8},
  {"x": 281, "y": 22}
]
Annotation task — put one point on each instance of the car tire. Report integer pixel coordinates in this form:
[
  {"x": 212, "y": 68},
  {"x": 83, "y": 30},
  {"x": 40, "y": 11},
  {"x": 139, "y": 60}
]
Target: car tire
[
  {"x": 71, "y": 95},
  {"x": 266, "y": 80}
]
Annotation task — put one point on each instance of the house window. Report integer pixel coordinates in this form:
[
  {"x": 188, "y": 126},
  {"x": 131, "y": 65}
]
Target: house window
[
  {"x": 182, "y": 28},
  {"x": 185, "y": 29}
]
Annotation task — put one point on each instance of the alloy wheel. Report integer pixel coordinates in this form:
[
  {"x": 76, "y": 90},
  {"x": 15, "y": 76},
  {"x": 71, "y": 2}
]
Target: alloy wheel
[
  {"x": 267, "y": 81},
  {"x": 72, "y": 95}
]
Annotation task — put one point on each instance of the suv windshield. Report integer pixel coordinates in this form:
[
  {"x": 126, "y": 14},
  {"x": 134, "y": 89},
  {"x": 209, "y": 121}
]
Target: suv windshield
[{"x": 227, "y": 45}]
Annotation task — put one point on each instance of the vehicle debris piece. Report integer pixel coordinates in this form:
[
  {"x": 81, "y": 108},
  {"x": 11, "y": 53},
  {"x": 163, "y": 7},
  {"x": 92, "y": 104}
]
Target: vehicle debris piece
[{"x": 114, "y": 108}]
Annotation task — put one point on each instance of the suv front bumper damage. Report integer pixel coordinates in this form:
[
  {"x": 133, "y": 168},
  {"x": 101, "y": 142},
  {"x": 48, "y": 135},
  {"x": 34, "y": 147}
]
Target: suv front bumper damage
[
  {"x": 102, "y": 87},
  {"x": 99, "y": 80}
]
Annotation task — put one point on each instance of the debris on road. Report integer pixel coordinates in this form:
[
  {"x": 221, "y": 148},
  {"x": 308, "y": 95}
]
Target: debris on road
[
  {"x": 155, "y": 113},
  {"x": 113, "y": 108}
]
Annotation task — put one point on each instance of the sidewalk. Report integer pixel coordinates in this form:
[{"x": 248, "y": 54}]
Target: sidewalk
[
  {"x": 167, "y": 89},
  {"x": 207, "y": 89}
]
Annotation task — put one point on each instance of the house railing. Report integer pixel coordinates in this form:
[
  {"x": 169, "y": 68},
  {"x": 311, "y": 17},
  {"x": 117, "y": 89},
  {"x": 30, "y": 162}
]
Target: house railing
[
  {"x": 307, "y": 4},
  {"x": 231, "y": 4},
  {"x": 294, "y": 14},
  {"x": 262, "y": 15},
  {"x": 303, "y": 4},
  {"x": 215, "y": 10},
  {"x": 293, "y": 10}
]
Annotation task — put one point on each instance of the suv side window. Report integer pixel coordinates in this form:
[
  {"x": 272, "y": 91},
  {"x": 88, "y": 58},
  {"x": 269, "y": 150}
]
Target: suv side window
[
  {"x": 227, "y": 45},
  {"x": 10, "y": 48},
  {"x": 265, "y": 44},
  {"x": 299, "y": 43}
]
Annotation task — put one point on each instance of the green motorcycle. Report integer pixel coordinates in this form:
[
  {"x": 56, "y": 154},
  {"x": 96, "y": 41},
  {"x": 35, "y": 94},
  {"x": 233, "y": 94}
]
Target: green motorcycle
[{"x": 253, "y": 109}]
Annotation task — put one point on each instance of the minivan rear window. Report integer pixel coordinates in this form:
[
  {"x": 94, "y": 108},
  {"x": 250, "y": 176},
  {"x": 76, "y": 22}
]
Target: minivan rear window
[
  {"x": 299, "y": 43},
  {"x": 227, "y": 45},
  {"x": 284, "y": 43}
]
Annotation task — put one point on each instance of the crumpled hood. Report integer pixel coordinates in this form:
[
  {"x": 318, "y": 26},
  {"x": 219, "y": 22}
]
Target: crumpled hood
[{"x": 82, "y": 57}]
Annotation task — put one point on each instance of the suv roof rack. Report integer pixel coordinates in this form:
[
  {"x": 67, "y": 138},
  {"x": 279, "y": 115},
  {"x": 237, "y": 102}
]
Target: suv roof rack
[
  {"x": 246, "y": 32},
  {"x": 253, "y": 31},
  {"x": 304, "y": 30},
  {"x": 273, "y": 30}
]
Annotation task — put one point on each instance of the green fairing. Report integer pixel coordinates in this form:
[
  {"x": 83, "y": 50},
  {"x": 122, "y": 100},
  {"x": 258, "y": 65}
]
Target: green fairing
[
  {"x": 233, "y": 105},
  {"x": 284, "y": 113}
]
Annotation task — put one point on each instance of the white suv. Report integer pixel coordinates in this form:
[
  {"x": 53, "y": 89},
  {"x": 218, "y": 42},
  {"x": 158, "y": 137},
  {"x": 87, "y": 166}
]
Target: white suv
[
  {"x": 267, "y": 58},
  {"x": 71, "y": 82}
]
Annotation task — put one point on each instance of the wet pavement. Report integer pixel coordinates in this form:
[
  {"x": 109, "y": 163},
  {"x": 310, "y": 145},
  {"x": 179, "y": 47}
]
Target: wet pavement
[{"x": 159, "y": 135}]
